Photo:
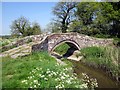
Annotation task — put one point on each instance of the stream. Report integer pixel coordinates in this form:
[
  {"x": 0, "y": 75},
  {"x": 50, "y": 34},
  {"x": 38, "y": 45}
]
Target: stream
[{"x": 103, "y": 80}]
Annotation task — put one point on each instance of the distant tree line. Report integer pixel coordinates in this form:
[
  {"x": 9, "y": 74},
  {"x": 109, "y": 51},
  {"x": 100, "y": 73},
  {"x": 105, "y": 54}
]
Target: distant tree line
[{"x": 91, "y": 18}]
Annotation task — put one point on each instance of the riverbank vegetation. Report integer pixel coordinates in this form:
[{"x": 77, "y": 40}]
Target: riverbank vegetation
[
  {"x": 105, "y": 58},
  {"x": 38, "y": 70},
  {"x": 62, "y": 49}
]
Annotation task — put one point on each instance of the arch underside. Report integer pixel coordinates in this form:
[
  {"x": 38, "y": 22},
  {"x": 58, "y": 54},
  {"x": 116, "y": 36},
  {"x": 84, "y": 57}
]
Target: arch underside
[{"x": 71, "y": 43}]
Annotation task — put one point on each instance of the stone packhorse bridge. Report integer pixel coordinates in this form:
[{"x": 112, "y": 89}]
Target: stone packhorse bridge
[
  {"x": 48, "y": 43},
  {"x": 74, "y": 40}
]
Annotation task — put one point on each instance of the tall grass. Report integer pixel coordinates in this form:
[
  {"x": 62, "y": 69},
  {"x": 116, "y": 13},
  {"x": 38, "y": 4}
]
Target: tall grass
[{"x": 102, "y": 57}]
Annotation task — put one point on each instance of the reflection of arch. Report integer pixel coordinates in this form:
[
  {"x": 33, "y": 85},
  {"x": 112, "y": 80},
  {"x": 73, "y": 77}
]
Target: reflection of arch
[{"x": 71, "y": 43}]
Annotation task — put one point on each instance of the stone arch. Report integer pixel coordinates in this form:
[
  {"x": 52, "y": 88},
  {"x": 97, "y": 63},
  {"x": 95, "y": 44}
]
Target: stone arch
[{"x": 71, "y": 43}]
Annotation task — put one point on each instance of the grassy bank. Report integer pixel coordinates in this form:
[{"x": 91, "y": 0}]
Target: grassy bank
[
  {"x": 62, "y": 49},
  {"x": 102, "y": 57},
  {"x": 37, "y": 70},
  {"x": 105, "y": 58}
]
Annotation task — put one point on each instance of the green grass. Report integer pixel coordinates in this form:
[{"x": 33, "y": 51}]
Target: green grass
[
  {"x": 37, "y": 70},
  {"x": 116, "y": 42},
  {"x": 102, "y": 56},
  {"x": 69, "y": 64},
  {"x": 7, "y": 41},
  {"x": 92, "y": 54},
  {"x": 62, "y": 49}
]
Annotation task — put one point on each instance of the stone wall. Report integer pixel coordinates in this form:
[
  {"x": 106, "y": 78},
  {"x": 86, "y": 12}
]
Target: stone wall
[
  {"x": 52, "y": 40},
  {"x": 81, "y": 40},
  {"x": 43, "y": 46},
  {"x": 25, "y": 40},
  {"x": 74, "y": 38}
]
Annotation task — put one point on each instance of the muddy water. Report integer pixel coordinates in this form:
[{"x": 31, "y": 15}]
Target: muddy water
[
  {"x": 102, "y": 78},
  {"x": 104, "y": 81}
]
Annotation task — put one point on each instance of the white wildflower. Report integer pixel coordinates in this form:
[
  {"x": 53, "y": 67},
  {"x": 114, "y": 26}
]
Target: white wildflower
[
  {"x": 84, "y": 85},
  {"x": 24, "y": 81},
  {"x": 42, "y": 76},
  {"x": 35, "y": 81},
  {"x": 39, "y": 84},
  {"x": 35, "y": 86},
  {"x": 68, "y": 81},
  {"x": 46, "y": 79},
  {"x": 62, "y": 77}
]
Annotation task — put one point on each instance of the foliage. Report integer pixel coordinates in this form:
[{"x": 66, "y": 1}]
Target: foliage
[
  {"x": 116, "y": 42},
  {"x": 102, "y": 56},
  {"x": 62, "y": 49},
  {"x": 51, "y": 78},
  {"x": 102, "y": 36},
  {"x": 37, "y": 70},
  {"x": 93, "y": 52},
  {"x": 53, "y": 27},
  {"x": 7, "y": 44},
  {"x": 97, "y": 18},
  {"x": 91, "y": 82},
  {"x": 5, "y": 41},
  {"x": 21, "y": 26},
  {"x": 36, "y": 29},
  {"x": 64, "y": 12}
]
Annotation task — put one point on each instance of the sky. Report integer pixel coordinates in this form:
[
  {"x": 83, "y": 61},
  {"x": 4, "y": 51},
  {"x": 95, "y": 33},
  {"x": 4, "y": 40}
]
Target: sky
[
  {"x": 40, "y": 12},
  {"x": 34, "y": 10}
]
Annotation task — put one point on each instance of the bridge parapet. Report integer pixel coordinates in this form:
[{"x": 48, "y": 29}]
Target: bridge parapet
[{"x": 74, "y": 39}]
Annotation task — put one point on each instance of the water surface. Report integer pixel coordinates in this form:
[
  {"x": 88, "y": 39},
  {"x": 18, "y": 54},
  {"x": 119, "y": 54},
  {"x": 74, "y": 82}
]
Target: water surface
[{"x": 104, "y": 81}]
